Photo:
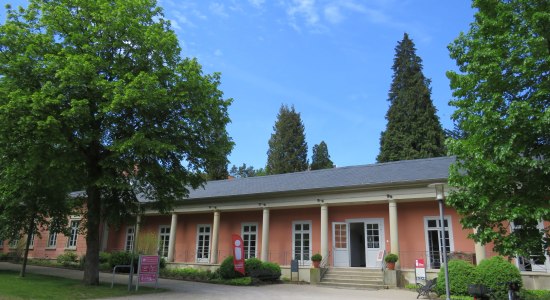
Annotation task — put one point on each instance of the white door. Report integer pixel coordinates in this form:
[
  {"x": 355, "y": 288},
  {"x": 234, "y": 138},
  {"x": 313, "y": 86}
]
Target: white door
[
  {"x": 340, "y": 244},
  {"x": 374, "y": 242}
]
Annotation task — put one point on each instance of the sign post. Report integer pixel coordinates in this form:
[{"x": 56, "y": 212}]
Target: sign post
[
  {"x": 148, "y": 270},
  {"x": 419, "y": 270}
]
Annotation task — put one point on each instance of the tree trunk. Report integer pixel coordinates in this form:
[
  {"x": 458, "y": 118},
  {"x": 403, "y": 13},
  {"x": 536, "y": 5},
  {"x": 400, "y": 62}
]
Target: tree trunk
[
  {"x": 93, "y": 204},
  {"x": 30, "y": 229}
]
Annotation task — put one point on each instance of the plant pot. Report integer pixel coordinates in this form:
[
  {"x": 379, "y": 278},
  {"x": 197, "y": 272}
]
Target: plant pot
[
  {"x": 390, "y": 265},
  {"x": 316, "y": 263}
]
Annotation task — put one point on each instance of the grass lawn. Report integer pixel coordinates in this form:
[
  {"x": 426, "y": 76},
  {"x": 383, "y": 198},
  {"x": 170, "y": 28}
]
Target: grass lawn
[{"x": 35, "y": 286}]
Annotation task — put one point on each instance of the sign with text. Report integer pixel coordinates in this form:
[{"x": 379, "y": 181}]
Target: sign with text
[
  {"x": 420, "y": 270},
  {"x": 238, "y": 253},
  {"x": 148, "y": 269}
]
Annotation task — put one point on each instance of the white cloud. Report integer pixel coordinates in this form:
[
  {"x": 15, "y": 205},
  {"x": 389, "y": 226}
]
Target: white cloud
[
  {"x": 218, "y": 9},
  {"x": 302, "y": 9},
  {"x": 218, "y": 52},
  {"x": 333, "y": 14},
  {"x": 257, "y": 3}
]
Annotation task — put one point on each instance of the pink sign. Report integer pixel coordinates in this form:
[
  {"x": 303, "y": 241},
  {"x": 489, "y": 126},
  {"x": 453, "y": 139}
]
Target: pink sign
[{"x": 148, "y": 268}]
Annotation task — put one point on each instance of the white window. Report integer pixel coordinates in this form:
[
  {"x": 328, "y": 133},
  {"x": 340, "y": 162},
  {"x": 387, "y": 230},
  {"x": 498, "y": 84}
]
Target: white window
[
  {"x": 129, "y": 238},
  {"x": 71, "y": 243},
  {"x": 13, "y": 243},
  {"x": 203, "y": 243},
  {"x": 434, "y": 242},
  {"x": 164, "y": 240},
  {"x": 301, "y": 239},
  {"x": 250, "y": 239},
  {"x": 52, "y": 240},
  {"x": 31, "y": 244}
]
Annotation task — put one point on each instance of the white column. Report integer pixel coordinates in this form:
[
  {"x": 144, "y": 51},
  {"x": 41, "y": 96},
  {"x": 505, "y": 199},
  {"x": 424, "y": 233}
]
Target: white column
[
  {"x": 215, "y": 231},
  {"x": 105, "y": 236},
  {"x": 394, "y": 236},
  {"x": 265, "y": 235},
  {"x": 324, "y": 230},
  {"x": 172, "y": 240},
  {"x": 480, "y": 250}
]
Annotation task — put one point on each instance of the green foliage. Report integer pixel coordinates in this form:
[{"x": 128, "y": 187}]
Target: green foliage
[
  {"x": 413, "y": 130},
  {"x": 252, "y": 264},
  {"x": 391, "y": 258},
  {"x": 243, "y": 171},
  {"x": 496, "y": 271},
  {"x": 316, "y": 257},
  {"x": 189, "y": 274},
  {"x": 102, "y": 95},
  {"x": 67, "y": 257},
  {"x": 411, "y": 286},
  {"x": 502, "y": 115},
  {"x": 123, "y": 258},
  {"x": 147, "y": 243},
  {"x": 320, "y": 158},
  {"x": 461, "y": 274},
  {"x": 227, "y": 269},
  {"x": 104, "y": 257},
  {"x": 273, "y": 270},
  {"x": 287, "y": 151},
  {"x": 239, "y": 281},
  {"x": 535, "y": 294}
]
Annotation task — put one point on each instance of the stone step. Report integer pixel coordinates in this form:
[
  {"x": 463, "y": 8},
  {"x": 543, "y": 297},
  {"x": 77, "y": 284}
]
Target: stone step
[
  {"x": 359, "y": 280},
  {"x": 353, "y": 285},
  {"x": 330, "y": 276}
]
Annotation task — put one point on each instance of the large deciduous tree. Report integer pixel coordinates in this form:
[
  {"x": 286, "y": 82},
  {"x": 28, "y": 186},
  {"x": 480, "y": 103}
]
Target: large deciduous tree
[
  {"x": 287, "y": 146},
  {"x": 502, "y": 96},
  {"x": 111, "y": 101},
  {"x": 320, "y": 158},
  {"x": 413, "y": 130}
]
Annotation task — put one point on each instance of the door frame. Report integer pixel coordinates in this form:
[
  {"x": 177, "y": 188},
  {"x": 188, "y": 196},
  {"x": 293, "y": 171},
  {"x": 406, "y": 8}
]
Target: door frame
[{"x": 382, "y": 233}]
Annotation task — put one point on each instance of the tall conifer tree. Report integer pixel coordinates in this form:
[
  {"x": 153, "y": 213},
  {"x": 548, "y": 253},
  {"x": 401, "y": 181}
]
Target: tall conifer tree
[
  {"x": 320, "y": 158},
  {"x": 287, "y": 146},
  {"x": 413, "y": 130}
]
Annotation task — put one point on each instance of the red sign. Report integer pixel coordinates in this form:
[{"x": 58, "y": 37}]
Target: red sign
[
  {"x": 148, "y": 268},
  {"x": 420, "y": 270},
  {"x": 238, "y": 253}
]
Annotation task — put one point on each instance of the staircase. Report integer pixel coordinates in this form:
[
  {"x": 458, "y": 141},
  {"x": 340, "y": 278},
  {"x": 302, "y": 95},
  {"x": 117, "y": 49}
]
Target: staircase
[{"x": 354, "y": 278}]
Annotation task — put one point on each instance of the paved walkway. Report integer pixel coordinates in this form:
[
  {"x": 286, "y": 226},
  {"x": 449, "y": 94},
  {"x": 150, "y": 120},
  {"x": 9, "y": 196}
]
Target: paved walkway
[{"x": 204, "y": 291}]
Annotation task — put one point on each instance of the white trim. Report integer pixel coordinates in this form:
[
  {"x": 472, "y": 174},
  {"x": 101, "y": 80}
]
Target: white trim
[
  {"x": 309, "y": 231},
  {"x": 381, "y": 232},
  {"x": 209, "y": 234},
  {"x": 449, "y": 228},
  {"x": 247, "y": 254},
  {"x": 544, "y": 268},
  {"x": 54, "y": 244},
  {"x": 162, "y": 246},
  {"x": 73, "y": 245},
  {"x": 130, "y": 246}
]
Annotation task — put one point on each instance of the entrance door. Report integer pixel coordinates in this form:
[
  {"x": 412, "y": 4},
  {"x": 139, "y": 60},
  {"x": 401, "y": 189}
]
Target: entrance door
[
  {"x": 374, "y": 241},
  {"x": 357, "y": 244},
  {"x": 340, "y": 242}
]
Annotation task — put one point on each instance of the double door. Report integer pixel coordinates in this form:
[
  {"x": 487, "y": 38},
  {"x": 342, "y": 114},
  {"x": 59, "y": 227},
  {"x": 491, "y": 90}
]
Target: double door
[{"x": 356, "y": 243}]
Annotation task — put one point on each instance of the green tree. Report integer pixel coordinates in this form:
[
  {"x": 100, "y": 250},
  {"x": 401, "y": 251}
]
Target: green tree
[
  {"x": 287, "y": 146},
  {"x": 242, "y": 171},
  {"x": 104, "y": 87},
  {"x": 320, "y": 158},
  {"x": 502, "y": 95},
  {"x": 413, "y": 130}
]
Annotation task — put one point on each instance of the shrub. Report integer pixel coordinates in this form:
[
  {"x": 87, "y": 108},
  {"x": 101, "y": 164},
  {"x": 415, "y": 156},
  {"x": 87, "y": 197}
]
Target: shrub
[
  {"x": 104, "y": 257},
  {"x": 227, "y": 269},
  {"x": 240, "y": 281},
  {"x": 535, "y": 294},
  {"x": 271, "y": 270},
  {"x": 162, "y": 263},
  {"x": 461, "y": 274},
  {"x": 188, "y": 274},
  {"x": 252, "y": 264},
  {"x": 147, "y": 243},
  {"x": 317, "y": 257},
  {"x": 391, "y": 258},
  {"x": 123, "y": 258},
  {"x": 496, "y": 271},
  {"x": 67, "y": 258}
]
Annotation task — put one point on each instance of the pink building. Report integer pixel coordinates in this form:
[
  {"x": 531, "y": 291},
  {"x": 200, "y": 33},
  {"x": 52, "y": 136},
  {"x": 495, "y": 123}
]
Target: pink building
[{"x": 349, "y": 215}]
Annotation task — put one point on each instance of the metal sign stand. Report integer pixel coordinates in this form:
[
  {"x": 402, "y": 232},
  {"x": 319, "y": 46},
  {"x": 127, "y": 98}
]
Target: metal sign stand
[{"x": 294, "y": 268}]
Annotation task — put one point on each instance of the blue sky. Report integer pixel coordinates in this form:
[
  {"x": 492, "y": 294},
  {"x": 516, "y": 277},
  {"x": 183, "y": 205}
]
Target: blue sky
[{"x": 330, "y": 59}]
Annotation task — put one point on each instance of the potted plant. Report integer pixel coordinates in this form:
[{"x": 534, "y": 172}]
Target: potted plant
[
  {"x": 390, "y": 260},
  {"x": 316, "y": 259}
]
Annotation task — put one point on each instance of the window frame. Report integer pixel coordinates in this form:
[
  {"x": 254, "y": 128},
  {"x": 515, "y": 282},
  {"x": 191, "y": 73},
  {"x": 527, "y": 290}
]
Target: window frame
[
  {"x": 246, "y": 246},
  {"x": 53, "y": 245},
  {"x": 73, "y": 235},
  {"x": 301, "y": 232},
  {"x": 448, "y": 228},
  {"x": 164, "y": 244},
  {"x": 130, "y": 236},
  {"x": 203, "y": 259}
]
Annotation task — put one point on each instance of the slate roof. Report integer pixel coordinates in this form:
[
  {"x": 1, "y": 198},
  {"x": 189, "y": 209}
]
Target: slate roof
[{"x": 399, "y": 172}]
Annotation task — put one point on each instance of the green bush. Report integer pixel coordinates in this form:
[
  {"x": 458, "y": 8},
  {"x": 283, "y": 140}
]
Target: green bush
[
  {"x": 188, "y": 274},
  {"x": 123, "y": 258},
  {"x": 104, "y": 257},
  {"x": 239, "y": 281},
  {"x": 494, "y": 272},
  {"x": 461, "y": 274},
  {"x": 535, "y": 294},
  {"x": 67, "y": 258},
  {"x": 227, "y": 269},
  {"x": 252, "y": 264},
  {"x": 162, "y": 263},
  {"x": 271, "y": 271}
]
